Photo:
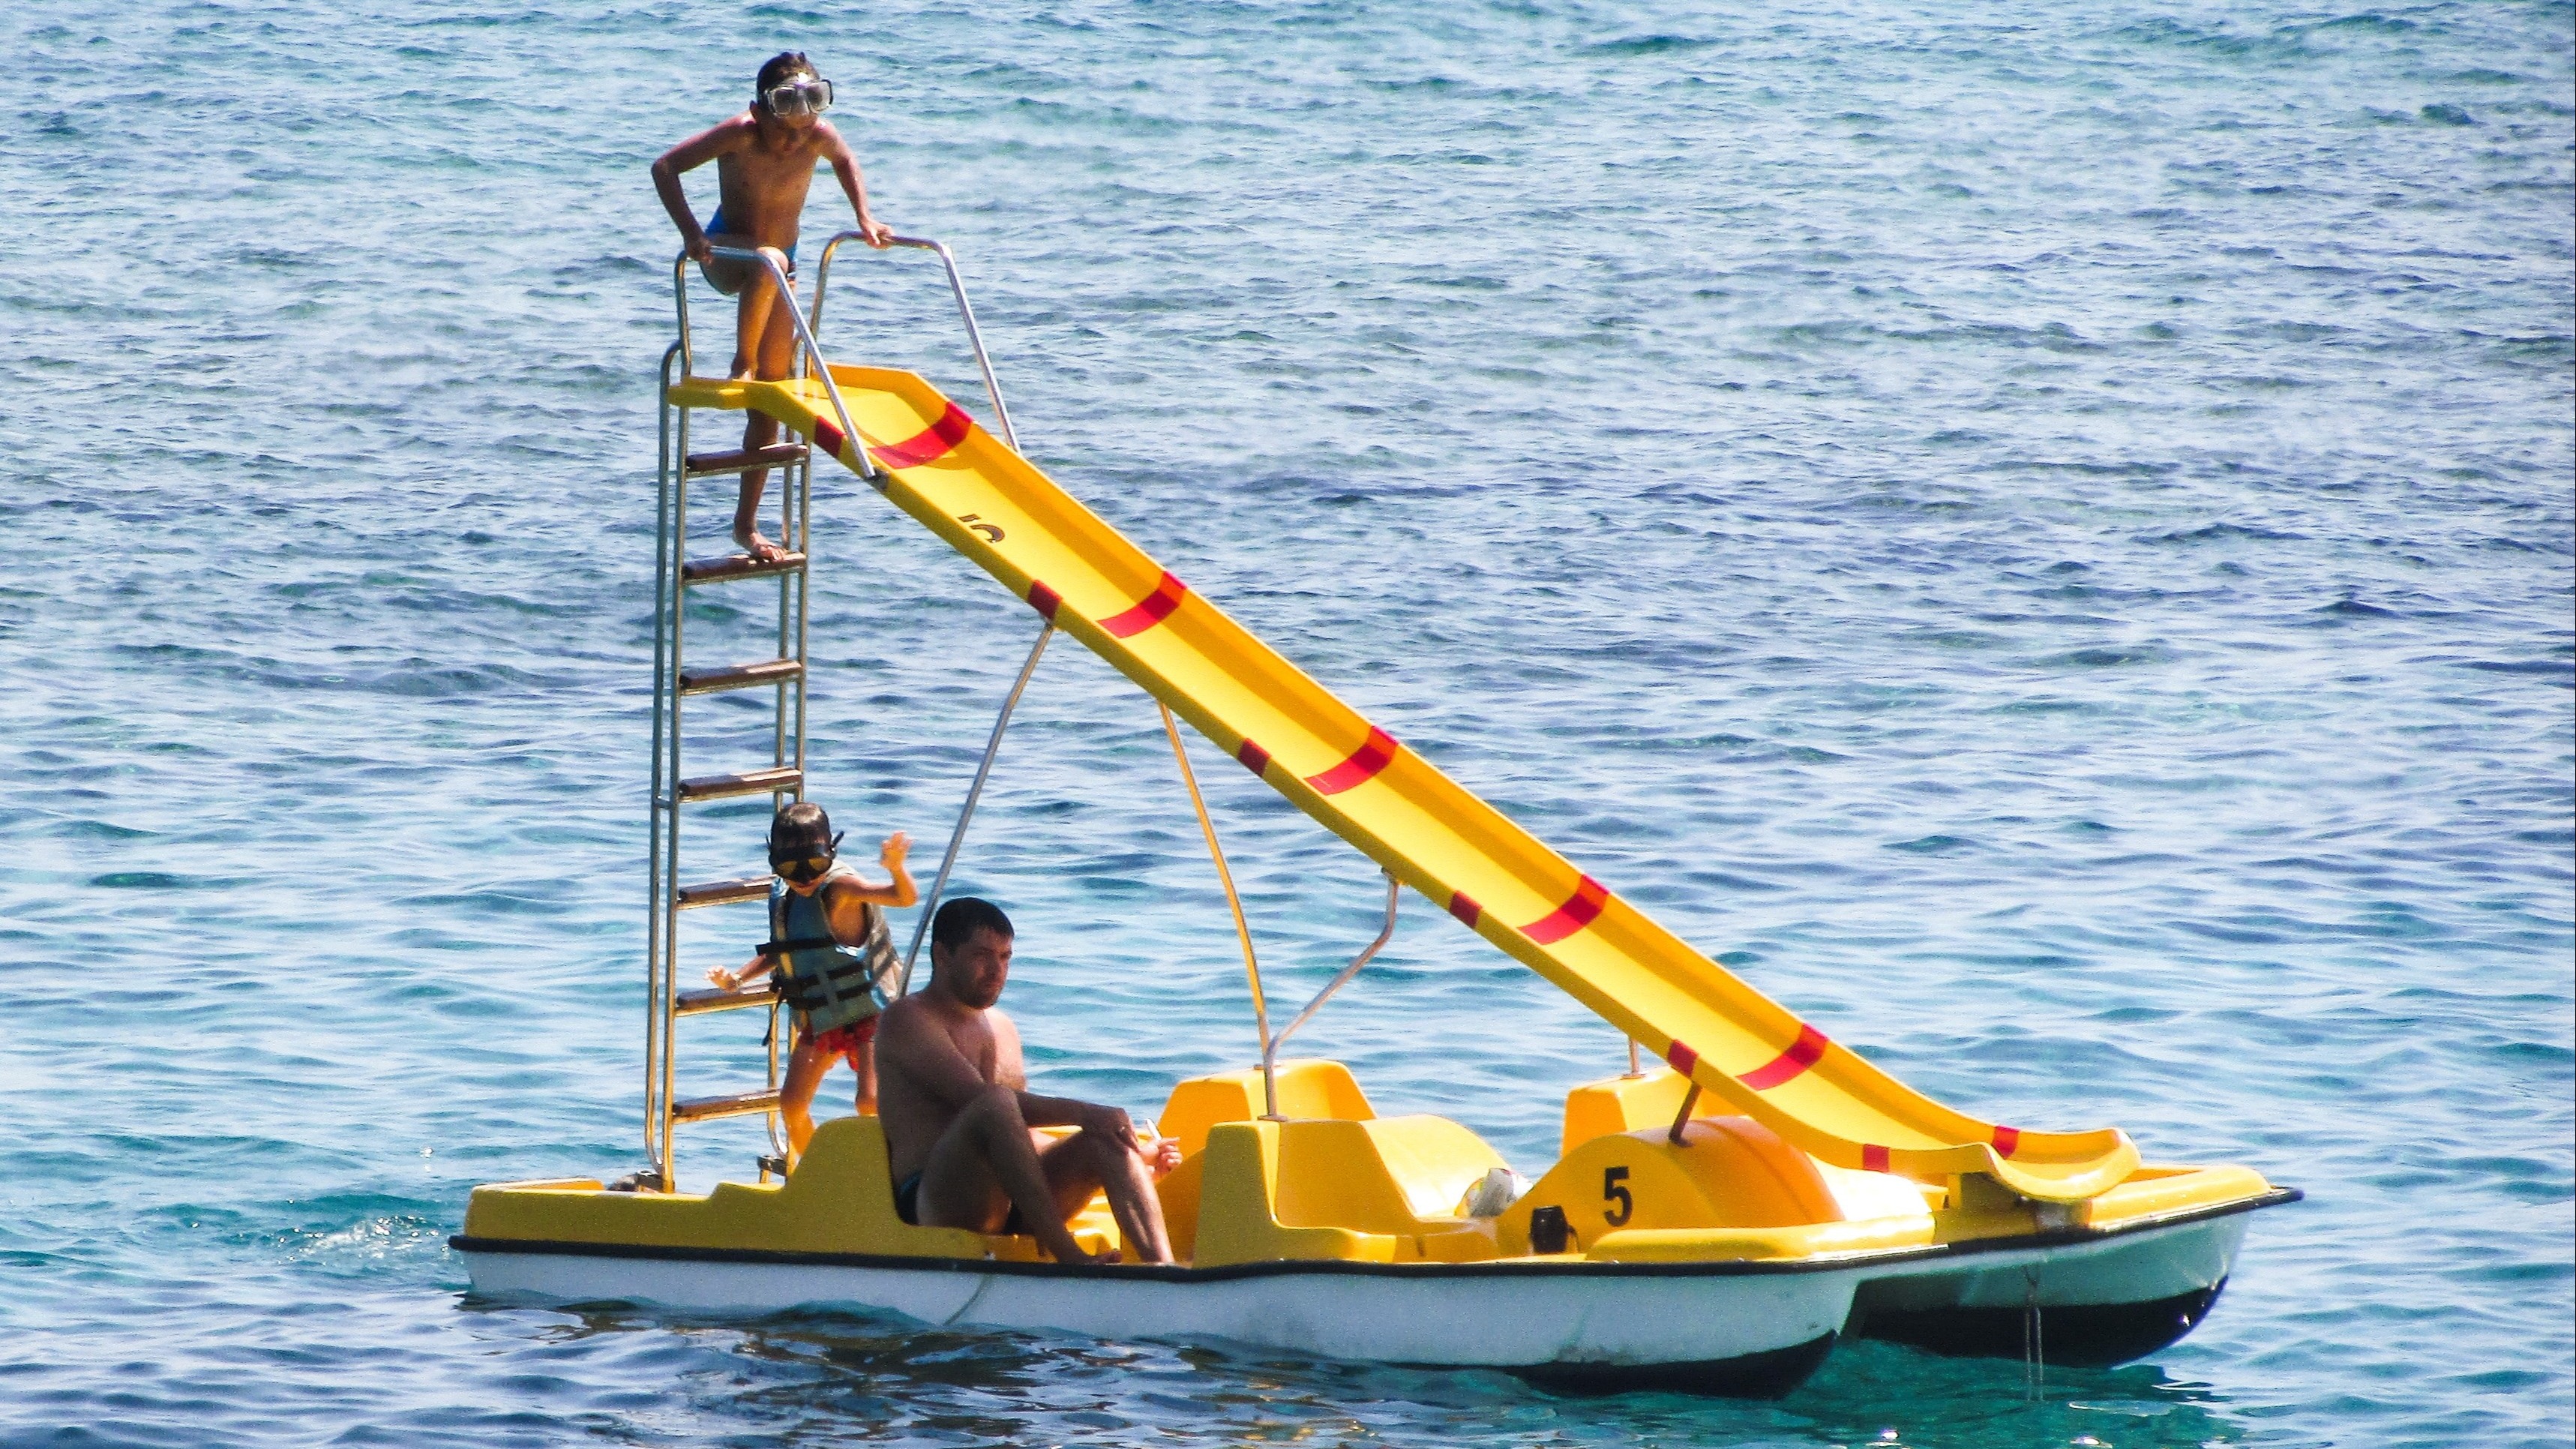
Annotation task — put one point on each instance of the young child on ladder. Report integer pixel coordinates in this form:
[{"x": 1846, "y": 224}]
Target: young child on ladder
[
  {"x": 764, "y": 165},
  {"x": 833, "y": 954}
]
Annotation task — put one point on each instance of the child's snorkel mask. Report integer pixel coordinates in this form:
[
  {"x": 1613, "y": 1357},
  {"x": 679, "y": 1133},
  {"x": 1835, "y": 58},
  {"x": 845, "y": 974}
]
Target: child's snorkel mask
[
  {"x": 803, "y": 862},
  {"x": 803, "y": 95}
]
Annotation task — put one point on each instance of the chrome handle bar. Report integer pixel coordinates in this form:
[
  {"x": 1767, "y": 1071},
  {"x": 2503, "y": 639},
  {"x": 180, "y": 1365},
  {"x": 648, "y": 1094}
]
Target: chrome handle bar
[
  {"x": 775, "y": 261},
  {"x": 965, "y": 313}
]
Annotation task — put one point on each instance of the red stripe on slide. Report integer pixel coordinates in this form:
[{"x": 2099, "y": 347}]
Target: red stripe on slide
[
  {"x": 1361, "y": 767},
  {"x": 829, "y": 436},
  {"x": 1464, "y": 907},
  {"x": 1045, "y": 600},
  {"x": 1578, "y": 912},
  {"x": 931, "y": 442},
  {"x": 1873, "y": 1158},
  {"x": 1801, "y": 1055},
  {"x": 2006, "y": 1139},
  {"x": 1157, "y": 607},
  {"x": 1254, "y": 757},
  {"x": 1681, "y": 1058}
]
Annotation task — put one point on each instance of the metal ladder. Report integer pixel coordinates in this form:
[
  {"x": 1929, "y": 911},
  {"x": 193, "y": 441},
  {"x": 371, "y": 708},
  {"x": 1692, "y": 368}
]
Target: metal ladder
[{"x": 783, "y": 780}]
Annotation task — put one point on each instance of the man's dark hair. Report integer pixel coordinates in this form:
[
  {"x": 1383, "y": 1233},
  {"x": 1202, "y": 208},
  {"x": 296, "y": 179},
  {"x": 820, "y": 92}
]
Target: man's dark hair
[
  {"x": 803, "y": 820},
  {"x": 778, "y": 68},
  {"x": 960, "y": 917}
]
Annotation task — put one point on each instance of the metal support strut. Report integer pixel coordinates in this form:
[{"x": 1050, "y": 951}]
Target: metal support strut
[
  {"x": 1270, "y": 1043},
  {"x": 1681, "y": 1119},
  {"x": 974, "y": 792},
  {"x": 1385, "y": 933},
  {"x": 1243, "y": 932}
]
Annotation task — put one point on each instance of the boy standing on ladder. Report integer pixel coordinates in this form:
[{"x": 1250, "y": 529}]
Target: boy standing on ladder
[
  {"x": 764, "y": 165},
  {"x": 834, "y": 957}
]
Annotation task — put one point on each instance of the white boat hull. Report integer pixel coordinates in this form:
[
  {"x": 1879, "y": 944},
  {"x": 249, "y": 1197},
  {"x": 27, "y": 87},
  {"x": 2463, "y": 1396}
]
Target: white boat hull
[{"x": 1724, "y": 1327}]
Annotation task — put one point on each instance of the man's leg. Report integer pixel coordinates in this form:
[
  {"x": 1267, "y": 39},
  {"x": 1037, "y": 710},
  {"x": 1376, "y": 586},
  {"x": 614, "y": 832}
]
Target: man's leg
[
  {"x": 1085, "y": 1163},
  {"x": 983, "y": 1166}
]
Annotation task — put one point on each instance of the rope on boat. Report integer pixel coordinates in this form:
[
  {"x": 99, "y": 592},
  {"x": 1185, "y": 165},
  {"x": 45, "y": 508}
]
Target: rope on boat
[{"x": 2034, "y": 1371}]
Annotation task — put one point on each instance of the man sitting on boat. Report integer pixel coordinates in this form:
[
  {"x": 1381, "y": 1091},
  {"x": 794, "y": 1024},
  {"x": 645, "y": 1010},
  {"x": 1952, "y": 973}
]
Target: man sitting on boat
[
  {"x": 834, "y": 957},
  {"x": 959, "y": 1116}
]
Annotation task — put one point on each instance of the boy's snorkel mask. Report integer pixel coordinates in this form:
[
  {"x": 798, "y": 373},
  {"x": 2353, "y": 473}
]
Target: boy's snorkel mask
[
  {"x": 800, "y": 95},
  {"x": 803, "y": 862}
]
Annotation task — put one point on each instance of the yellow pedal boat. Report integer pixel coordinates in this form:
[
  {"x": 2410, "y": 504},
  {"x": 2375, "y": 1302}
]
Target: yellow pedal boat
[{"x": 1714, "y": 1224}]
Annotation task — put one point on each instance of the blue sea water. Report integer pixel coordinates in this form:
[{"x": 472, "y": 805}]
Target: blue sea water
[{"x": 2044, "y": 534}]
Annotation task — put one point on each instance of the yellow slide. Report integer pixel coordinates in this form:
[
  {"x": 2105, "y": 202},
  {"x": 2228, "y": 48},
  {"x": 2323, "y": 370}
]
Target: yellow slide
[{"x": 1747, "y": 1050}]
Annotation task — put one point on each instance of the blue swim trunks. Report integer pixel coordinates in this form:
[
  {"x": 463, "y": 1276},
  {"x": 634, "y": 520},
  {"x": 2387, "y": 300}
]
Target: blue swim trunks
[{"x": 728, "y": 277}]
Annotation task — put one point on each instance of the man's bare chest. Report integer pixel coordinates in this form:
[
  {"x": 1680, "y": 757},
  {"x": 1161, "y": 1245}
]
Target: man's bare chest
[{"x": 976, "y": 1044}]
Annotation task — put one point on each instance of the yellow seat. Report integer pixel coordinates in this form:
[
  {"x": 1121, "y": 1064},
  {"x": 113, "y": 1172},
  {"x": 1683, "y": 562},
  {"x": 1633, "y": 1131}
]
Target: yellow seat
[
  {"x": 1379, "y": 1190},
  {"x": 1398, "y": 1175},
  {"x": 1334, "y": 1180},
  {"x": 840, "y": 1199},
  {"x": 1306, "y": 1089}
]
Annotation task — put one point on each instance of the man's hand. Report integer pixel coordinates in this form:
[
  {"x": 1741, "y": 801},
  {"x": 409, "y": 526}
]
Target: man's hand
[
  {"x": 896, "y": 847},
  {"x": 701, "y": 250},
  {"x": 1165, "y": 1157},
  {"x": 875, "y": 233}
]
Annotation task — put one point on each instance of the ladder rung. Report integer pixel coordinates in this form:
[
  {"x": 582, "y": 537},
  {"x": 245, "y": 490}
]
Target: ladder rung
[
  {"x": 740, "y": 676},
  {"x": 724, "y": 892},
  {"x": 750, "y": 782},
  {"x": 740, "y": 1104},
  {"x": 725, "y": 568},
  {"x": 714, "y": 998},
  {"x": 776, "y": 455}
]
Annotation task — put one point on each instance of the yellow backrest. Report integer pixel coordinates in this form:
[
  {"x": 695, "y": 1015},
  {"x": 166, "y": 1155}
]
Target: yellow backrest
[
  {"x": 1307, "y": 1089},
  {"x": 1352, "y": 1190},
  {"x": 1389, "y": 1175},
  {"x": 1238, "y": 1219},
  {"x": 1627, "y": 1104}
]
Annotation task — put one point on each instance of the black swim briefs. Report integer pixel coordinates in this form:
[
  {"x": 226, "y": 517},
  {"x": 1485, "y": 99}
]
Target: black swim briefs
[{"x": 907, "y": 1206}]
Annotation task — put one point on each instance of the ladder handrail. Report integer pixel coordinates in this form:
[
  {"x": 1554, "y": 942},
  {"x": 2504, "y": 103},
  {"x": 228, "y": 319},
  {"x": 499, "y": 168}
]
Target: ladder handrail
[
  {"x": 662, "y": 1107},
  {"x": 965, "y": 312},
  {"x": 662, "y": 1104},
  {"x": 659, "y": 874},
  {"x": 775, "y": 261}
]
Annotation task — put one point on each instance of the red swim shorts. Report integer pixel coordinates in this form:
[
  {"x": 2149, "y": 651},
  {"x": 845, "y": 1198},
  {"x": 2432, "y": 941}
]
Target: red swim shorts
[{"x": 845, "y": 1041}]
